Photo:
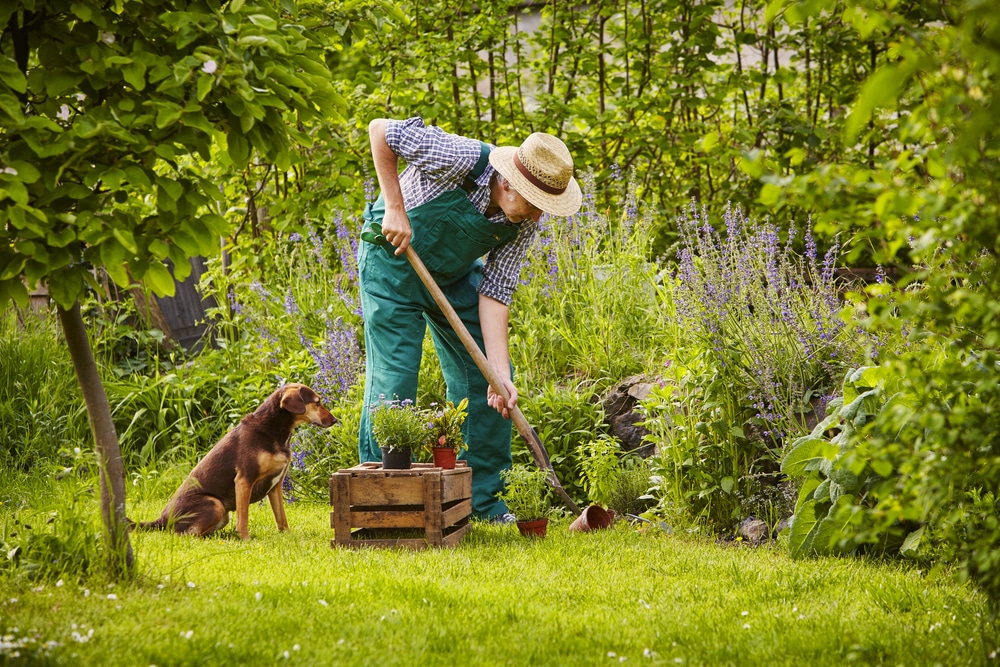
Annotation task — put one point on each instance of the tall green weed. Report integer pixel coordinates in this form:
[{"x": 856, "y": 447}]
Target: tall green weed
[
  {"x": 40, "y": 403},
  {"x": 589, "y": 309}
]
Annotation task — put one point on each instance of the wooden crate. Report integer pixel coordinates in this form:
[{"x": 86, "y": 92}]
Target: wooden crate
[{"x": 416, "y": 508}]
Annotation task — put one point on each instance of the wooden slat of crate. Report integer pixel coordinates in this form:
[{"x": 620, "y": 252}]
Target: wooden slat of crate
[{"x": 422, "y": 498}]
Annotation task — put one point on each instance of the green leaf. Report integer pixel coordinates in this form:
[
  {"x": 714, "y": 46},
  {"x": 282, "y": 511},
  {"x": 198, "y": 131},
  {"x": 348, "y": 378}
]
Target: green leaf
[
  {"x": 125, "y": 237},
  {"x": 802, "y": 530},
  {"x": 12, "y": 75},
  {"x": 13, "y": 290},
  {"x": 135, "y": 75},
  {"x": 264, "y": 21},
  {"x": 880, "y": 90},
  {"x": 158, "y": 249},
  {"x": 911, "y": 545},
  {"x": 709, "y": 141},
  {"x": 205, "y": 83},
  {"x": 238, "y": 148},
  {"x": 158, "y": 278},
  {"x": 727, "y": 484},
  {"x": 60, "y": 82},
  {"x": 805, "y": 454},
  {"x": 65, "y": 286},
  {"x": 82, "y": 11}
]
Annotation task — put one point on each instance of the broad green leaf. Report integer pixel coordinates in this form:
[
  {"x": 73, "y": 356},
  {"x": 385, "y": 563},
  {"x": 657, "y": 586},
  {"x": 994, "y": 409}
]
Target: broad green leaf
[
  {"x": 911, "y": 545},
  {"x": 13, "y": 290},
  {"x": 61, "y": 81},
  {"x": 238, "y": 148},
  {"x": 65, "y": 286},
  {"x": 135, "y": 75},
  {"x": 205, "y": 83},
  {"x": 82, "y": 11},
  {"x": 709, "y": 141},
  {"x": 14, "y": 267},
  {"x": 805, "y": 455},
  {"x": 727, "y": 484},
  {"x": 12, "y": 75},
  {"x": 158, "y": 278},
  {"x": 158, "y": 249},
  {"x": 802, "y": 530},
  {"x": 125, "y": 238},
  {"x": 264, "y": 21},
  {"x": 26, "y": 172}
]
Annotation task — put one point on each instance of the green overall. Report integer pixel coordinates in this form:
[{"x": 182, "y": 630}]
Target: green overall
[{"x": 450, "y": 236}]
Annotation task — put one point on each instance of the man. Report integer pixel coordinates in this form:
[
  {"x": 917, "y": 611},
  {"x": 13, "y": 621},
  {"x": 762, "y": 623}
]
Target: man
[{"x": 456, "y": 201}]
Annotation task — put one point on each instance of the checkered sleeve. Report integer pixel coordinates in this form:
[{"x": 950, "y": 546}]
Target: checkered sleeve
[
  {"x": 436, "y": 160},
  {"x": 503, "y": 265}
]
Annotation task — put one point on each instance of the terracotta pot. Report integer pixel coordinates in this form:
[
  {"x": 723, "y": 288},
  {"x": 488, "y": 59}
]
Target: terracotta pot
[
  {"x": 444, "y": 457},
  {"x": 533, "y": 528},
  {"x": 593, "y": 517},
  {"x": 397, "y": 459}
]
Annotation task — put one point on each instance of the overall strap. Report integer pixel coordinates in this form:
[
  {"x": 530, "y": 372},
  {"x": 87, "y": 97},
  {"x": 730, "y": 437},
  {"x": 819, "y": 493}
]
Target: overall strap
[{"x": 469, "y": 182}]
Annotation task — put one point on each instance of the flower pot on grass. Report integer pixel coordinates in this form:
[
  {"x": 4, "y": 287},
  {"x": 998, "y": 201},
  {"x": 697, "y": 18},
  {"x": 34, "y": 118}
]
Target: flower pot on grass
[
  {"x": 526, "y": 493},
  {"x": 533, "y": 528}
]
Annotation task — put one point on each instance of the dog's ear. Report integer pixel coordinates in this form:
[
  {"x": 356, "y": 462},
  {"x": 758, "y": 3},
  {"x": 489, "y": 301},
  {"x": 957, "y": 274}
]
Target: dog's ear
[{"x": 292, "y": 401}]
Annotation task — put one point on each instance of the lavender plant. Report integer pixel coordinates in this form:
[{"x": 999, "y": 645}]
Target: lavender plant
[{"x": 765, "y": 347}]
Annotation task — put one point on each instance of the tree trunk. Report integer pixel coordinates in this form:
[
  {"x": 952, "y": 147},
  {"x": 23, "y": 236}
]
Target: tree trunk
[{"x": 109, "y": 457}]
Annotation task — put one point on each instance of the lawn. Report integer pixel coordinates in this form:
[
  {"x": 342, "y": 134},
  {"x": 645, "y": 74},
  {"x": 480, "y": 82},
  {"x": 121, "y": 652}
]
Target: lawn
[{"x": 621, "y": 595}]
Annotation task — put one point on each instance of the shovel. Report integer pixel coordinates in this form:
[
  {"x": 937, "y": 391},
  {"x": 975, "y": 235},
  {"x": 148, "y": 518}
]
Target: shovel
[{"x": 373, "y": 234}]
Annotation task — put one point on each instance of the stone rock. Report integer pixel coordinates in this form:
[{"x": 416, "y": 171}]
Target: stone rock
[
  {"x": 754, "y": 531},
  {"x": 620, "y": 414}
]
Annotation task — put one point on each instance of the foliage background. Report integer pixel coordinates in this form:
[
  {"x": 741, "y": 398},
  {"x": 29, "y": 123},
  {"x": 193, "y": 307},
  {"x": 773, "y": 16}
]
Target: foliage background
[{"x": 869, "y": 120}]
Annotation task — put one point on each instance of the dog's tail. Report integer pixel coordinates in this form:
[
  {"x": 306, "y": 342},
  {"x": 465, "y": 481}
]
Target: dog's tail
[{"x": 159, "y": 524}]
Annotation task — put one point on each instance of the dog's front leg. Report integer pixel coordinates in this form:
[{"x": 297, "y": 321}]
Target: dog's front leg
[
  {"x": 243, "y": 489},
  {"x": 276, "y": 497}
]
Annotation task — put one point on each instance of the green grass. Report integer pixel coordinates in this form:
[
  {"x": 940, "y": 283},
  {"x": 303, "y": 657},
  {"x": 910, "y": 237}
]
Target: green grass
[{"x": 497, "y": 599}]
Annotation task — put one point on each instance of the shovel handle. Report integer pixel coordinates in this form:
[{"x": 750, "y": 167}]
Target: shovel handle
[{"x": 535, "y": 446}]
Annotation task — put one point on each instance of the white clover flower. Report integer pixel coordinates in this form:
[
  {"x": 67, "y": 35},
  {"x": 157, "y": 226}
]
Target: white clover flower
[{"x": 210, "y": 67}]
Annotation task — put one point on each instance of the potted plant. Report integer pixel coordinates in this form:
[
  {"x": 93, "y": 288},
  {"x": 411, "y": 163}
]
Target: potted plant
[
  {"x": 526, "y": 492},
  {"x": 444, "y": 432},
  {"x": 398, "y": 427}
]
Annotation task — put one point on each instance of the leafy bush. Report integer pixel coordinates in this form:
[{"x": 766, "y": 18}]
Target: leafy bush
[
  {"x": 907, "y": 462},
  {"x": 765, "y": 343},
  {"x": 588, "y": 307},
  {"x": 838, "y": 478},
  {"x": 564, "y": 419},
  {"x": 398, "y": 424},
  {"x": 613, "y": 479}
]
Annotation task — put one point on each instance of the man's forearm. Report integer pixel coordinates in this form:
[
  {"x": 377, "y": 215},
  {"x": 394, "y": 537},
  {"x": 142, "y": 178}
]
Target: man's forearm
[{"x": 386, "y": 165}]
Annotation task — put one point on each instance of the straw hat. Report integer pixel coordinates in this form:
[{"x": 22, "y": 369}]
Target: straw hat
[{"x": 541, "y": 169}]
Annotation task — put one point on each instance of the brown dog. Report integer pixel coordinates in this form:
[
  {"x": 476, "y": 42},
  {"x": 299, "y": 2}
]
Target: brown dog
[{"x": 247, "y": 464}]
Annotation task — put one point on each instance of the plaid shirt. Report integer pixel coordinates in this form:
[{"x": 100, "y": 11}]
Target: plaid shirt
[{"x": 437, "y": 161}]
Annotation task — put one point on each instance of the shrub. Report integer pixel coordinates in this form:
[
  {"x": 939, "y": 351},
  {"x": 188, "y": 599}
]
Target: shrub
[
  {"x": 613, "y": 479},
  {"x": 766, "y": 344},
  {"x": 564, "y": 419}
]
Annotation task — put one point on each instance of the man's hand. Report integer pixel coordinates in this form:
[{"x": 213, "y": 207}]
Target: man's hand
[
  {"x": 396, "y": 229},
  {"x": 496, "y": 400}
]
